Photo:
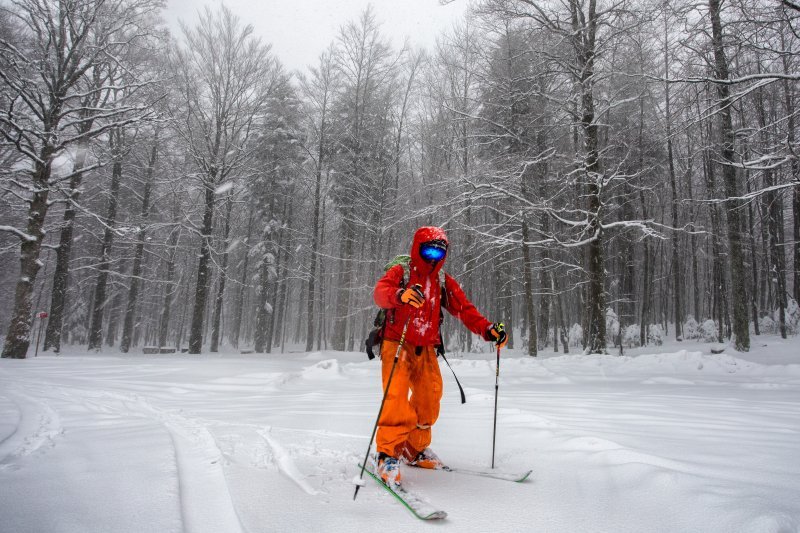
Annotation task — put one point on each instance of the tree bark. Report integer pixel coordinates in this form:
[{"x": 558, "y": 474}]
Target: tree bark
[
  {"x": 789, "y": 100},
  {"x": 236, "y": 328},
  {"x": 262, "y": 315},
  {"x": 530, "y": 315},
  {"x": 339, "y": 337},
  {"x": 169, "y": 290},
  {"x": 215, "y": 322},
  {"x": 741, "y": 327},
  {"x": 100, "y": 297},
  {"x": 645, "y": 315},
  {"x": 675, "y": 266},
  {"x": 58, "y": 296},
  {"x": 584, "y": 45},
  {"x": 136, "y": 272},
  {"x": 753, "y": 264},
  {"x": 19, "y": 330},
  {"x": 315, "y": 233},
  {"x": 203, "y": 271},
  {"x": 796, "y": 224}
]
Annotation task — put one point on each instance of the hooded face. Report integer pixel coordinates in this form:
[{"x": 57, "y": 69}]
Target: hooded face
[{"x": 436, "y": 239}]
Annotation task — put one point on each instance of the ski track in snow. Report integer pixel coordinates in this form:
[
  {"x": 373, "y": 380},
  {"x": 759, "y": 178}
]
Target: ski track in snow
[
  {"x": 38, "y": 425},
  {"x": 206, "y": 503},
  {"x": 286, "y": 464},
  {"x": 205, "y": 499}
]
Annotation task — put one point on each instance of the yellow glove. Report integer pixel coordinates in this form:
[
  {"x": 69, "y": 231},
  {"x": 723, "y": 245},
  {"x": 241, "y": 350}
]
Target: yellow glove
[
  {"x": 497, "y": 333},
  {"x": 412, "y": 296}
]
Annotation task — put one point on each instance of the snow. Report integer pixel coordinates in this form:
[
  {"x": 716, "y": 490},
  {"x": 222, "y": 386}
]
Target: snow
[
  {"x": 19, "y": 233},
  {"x": 225, "y": 187},
  {"x": 667, "y": 439}
]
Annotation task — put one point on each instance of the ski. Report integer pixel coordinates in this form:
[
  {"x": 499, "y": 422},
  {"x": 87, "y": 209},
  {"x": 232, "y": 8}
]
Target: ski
[
  {"x": 505, "y": 476},
  {"x": 412, "y": 501}
]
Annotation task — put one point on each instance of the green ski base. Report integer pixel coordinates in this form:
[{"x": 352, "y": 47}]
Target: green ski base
[{"x": 414, "y": 503}]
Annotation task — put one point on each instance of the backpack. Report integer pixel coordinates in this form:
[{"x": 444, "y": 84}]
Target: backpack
[{"x": 375, "y": 337}]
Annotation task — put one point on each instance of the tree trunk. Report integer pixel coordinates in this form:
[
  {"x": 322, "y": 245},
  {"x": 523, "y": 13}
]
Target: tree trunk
[
  {"x": 169, "y": 291},
  {"x": 236, "y": 328},
  {"x": 223, "y": 273},
  {"x": 339, "y": 337},
  {"x": 113, "y": 313},
  {"x": 203, "y": 271},
  {"x": 627, "y": 309},
  {"x": 58, "y": 297},
  {"x": 100, "y": 297},
  {"x": 469, "y": 265},
  {"x": 741, "y": 327},
  {"x": 796, "y": 221},
  {"x": 788, "y": 95},
  {"x": 675, "y": 267},
  {"x": 323, "y": 323},
  {"x": 753, "y": 264},
  {"x": 530, "y": 314},
  {"x": 262, "y": 314},
  {"x": 596, "y": 342},
  {"x": 133, "y": 291},
  {"x": 19, "y": 330},
  {"x": 774, "y": 208},
  {"x": 560, "y": 317},
  {"x": 718, "y": 275},
  {"x": 693, "y": 237},
  {"x": 314, "y": 243},
  {"x": 645, "y": 313}
]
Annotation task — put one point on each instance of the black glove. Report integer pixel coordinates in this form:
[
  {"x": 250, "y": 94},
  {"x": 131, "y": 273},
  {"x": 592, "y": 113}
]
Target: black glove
[{"x": 497, "y": 333}]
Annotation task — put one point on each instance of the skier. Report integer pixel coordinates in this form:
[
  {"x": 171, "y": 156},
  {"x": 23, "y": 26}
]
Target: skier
[{"x": 404, "y": 427}]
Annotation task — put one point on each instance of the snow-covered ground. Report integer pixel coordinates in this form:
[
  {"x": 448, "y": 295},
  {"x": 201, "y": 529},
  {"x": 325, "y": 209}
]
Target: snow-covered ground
[{"x": 679, "y": 441}]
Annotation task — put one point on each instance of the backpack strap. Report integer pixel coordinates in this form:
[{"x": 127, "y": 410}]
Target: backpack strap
[{"x": 406, "y": 275}]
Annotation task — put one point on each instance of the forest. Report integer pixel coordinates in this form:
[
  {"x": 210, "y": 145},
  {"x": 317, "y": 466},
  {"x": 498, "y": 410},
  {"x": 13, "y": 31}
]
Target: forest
[{"x": 610, "y": 174}]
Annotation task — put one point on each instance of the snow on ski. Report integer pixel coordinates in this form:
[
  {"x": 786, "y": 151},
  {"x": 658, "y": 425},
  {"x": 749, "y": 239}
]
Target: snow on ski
[
  {"x": 505, "y": 476},
  {"x": 411, "y": 500}
]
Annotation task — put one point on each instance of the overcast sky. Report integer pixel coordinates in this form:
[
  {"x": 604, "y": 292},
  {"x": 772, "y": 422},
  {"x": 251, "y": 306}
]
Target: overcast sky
[{"x": 299, "y": 30}]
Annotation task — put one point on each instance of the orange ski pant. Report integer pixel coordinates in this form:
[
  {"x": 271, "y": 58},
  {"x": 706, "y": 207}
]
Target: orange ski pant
[{"x": 412, "y": 403}]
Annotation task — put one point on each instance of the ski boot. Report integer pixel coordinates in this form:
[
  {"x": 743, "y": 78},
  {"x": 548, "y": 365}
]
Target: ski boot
[
  {"x": 427, "y": 459},
  {"x": 388, "y": 469}
]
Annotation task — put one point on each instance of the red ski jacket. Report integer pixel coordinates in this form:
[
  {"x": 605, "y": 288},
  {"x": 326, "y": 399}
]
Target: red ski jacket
[{"x": 423, "y": 329}]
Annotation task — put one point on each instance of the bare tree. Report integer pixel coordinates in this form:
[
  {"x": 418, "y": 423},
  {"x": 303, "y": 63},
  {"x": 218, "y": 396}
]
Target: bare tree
[
  {"x": 318, "y": 92},
  {"x": 136, "y": 269},
  {"x": 57, "y": 45},
  {"x": 224, "y": 77},
  {"x": 741, "y": 326}
]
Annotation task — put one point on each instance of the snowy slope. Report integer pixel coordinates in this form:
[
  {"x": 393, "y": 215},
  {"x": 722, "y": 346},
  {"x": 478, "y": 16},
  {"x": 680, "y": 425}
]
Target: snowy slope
[{"x": 680, "y": 441}]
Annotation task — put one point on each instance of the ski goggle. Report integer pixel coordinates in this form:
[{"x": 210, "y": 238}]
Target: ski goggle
[{"x": 433, "y": 250}]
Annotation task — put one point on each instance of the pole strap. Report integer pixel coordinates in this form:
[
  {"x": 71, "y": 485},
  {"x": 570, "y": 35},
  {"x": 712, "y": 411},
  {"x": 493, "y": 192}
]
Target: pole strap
[{"x": 460, "y": 389}]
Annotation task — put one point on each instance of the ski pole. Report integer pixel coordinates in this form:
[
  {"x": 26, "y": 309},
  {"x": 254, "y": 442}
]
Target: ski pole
[
  {"x": 501, "y": 327},
  {"x": 383, "y": 401}
]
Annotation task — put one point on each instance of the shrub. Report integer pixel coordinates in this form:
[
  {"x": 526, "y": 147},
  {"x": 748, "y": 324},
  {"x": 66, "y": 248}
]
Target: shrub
[
  {"x": 576, "y": 335},
  {"x": 612, "y": 324},
  {"x": 708, "y": 331},
  {"x": 655, "y": 334},
  {"x": 631, "y": 337},
  {"x": 766, "y": 324},
  {"x": 691, "y": 329}
]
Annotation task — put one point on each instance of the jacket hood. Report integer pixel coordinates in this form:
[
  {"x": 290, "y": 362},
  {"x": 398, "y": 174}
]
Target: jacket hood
[{"x": 425, "y": 234}]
